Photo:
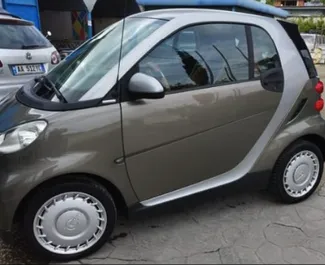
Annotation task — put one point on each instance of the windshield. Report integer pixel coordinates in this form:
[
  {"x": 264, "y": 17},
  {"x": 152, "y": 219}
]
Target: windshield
[
  {"x": 86, "y": 67},
  {"x": 15, "y": 34}
]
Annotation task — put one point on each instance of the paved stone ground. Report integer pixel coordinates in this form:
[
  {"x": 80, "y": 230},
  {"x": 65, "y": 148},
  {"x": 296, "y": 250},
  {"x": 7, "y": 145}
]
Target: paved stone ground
[
  {"x": 245, "y": 228},
  {"x": 240, "y": 228}
]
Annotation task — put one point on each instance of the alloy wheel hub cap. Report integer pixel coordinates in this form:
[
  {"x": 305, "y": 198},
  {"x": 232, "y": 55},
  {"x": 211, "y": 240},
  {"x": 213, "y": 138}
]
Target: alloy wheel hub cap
[
  {"x": 70, "y": 223},
  {"x": 301, "y": 174}
]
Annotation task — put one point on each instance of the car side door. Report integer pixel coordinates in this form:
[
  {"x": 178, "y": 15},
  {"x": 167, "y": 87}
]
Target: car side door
[
  {"x": 191, "y": 134},
  {"x": 259, "y": 99}
]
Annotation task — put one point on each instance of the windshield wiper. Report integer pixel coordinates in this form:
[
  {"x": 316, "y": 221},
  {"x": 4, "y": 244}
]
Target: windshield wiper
[{"x": 44, "y": 79}]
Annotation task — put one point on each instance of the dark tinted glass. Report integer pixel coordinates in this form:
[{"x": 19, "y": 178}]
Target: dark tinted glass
[
  {"x": 16, "y": 35},
  {"x": 210, "y": 54},
  {"x": 293, "y": 32},
  {"x": 265, "y": 53}
]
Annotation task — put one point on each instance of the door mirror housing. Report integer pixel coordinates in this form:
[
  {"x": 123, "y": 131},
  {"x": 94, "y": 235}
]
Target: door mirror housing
[{"x": 145, "y": 86}]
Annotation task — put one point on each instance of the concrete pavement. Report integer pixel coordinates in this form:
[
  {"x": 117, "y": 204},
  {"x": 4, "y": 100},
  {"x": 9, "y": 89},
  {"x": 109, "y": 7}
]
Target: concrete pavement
[{"x": 238, "y": 228}]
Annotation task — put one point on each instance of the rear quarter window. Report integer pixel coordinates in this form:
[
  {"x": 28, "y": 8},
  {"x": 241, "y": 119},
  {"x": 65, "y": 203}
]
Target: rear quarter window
[
  {"x": 265, "y": 53},
  {"x": 294, "y": 34},
  {"x": 15, "y": 34}
]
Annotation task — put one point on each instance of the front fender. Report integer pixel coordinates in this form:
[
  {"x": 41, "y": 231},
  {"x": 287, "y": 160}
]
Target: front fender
[{"x": 18, "y": 177}]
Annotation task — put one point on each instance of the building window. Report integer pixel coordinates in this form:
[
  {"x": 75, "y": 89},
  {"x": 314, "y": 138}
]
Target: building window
[{"x": 288, "y": 3}]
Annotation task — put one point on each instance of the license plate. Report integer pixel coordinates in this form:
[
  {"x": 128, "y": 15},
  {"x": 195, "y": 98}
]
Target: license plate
[{"x": 26, "y": 69}]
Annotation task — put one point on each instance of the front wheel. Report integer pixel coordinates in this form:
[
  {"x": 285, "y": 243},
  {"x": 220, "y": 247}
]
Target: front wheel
[
  {"x": 298, "y": 172},
  {"x": 70, "y": 220}
]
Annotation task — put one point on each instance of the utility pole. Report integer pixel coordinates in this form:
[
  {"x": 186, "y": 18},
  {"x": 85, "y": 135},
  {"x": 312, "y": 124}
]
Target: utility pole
[{"x": 90, "y": 6}]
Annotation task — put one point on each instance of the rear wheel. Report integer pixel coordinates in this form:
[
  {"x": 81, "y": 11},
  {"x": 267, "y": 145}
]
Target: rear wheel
[
  {"x": 298, "y": 172},
  {"x": 70, "y": 220}
]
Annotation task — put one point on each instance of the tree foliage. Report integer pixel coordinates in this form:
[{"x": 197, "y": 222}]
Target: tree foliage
[{"x": 307, "y": 25}]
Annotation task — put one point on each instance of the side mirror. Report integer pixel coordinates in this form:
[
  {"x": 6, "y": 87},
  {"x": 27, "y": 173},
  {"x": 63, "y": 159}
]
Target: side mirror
[{"x": 145, "y": 86}]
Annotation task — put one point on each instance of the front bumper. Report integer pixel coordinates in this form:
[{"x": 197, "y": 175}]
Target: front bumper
[
  {"x": 6, "y": 220},
  {"x": 7, "y": 211},
  {"x": 13, "y": 188}
]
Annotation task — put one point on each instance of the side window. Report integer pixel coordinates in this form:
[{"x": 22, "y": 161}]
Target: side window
[
  {"x": 198, "y": 56},
  {"x": 265, "y": 53},
  {"x": 224, "y": 47},
  {"x": 187, "y": 41}
]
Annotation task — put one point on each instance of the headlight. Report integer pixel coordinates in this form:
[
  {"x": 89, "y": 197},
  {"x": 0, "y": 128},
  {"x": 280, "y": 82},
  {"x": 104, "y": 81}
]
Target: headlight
[{"x": 21, "y": 136}]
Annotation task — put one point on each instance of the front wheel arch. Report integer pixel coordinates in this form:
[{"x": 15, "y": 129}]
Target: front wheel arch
[{"x": 110, "y": 187}]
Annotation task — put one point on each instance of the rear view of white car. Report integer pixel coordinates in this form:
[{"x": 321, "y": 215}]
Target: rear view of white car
[{"x": 24, "y": 52}]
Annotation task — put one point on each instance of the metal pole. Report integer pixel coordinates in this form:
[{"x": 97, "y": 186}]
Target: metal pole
[
  {"x": 90, "y": 25},
  {"x": 90, "y": 6}
]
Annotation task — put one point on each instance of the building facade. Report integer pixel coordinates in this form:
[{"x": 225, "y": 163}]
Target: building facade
[
  {"x": 302, "y": 9},
  {"x": 71, "y": 22},
  {"x": 280, "y": 3}
]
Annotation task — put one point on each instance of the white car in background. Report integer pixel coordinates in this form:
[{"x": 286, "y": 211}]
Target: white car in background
[
  {"x": 25, "y": 52},
  {"x": 316, "y": 46}
]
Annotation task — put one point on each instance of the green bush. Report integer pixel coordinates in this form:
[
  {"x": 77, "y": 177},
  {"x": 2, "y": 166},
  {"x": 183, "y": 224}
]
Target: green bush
[{"x": 308, "y": 25}]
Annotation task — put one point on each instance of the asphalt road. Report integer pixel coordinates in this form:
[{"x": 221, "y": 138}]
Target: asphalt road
[
  {"x": 3, "y": 93},
  {"x": 240, "y": 228}
]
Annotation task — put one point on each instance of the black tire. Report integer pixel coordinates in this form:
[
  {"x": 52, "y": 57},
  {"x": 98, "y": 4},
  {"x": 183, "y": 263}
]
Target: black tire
[
  {"x": 46, "y": 193},
  {"x": 278, "y": 187}
]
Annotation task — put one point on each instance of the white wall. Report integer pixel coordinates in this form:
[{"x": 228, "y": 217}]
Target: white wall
[
  {"x": 102, "y": 23},
  {"x": 59, "y": 23}
]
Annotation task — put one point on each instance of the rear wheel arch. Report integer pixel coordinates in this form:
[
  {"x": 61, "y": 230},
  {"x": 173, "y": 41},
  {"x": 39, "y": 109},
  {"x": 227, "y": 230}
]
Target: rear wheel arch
[
  {"x": 315, "y": 139},
  {"x": 80, "y": 177}
]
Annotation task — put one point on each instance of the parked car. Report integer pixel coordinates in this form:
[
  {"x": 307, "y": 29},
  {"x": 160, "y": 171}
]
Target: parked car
[
  {"x": 24, "y": 52},
  {"x": 64, "y": 53},
  {"x": 156, "y": 117},
  {"x": 316, "y": 46},
  {"x": 65, "y": 47}
]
